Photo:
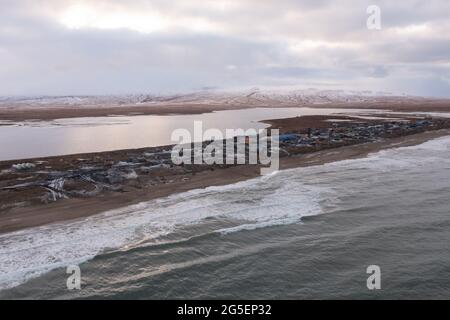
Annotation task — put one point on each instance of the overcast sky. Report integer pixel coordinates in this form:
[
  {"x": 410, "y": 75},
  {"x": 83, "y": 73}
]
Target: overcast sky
[{"x": 61, "y": 47}]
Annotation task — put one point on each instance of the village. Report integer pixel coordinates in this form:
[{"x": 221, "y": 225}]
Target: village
[{"x": 41, "y": 181}]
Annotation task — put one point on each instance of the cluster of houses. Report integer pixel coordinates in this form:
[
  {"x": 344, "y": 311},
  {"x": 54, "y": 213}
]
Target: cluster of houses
[{"x": 349, "y": 133}]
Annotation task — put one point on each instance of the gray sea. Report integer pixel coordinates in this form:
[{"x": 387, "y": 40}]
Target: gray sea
[{"x": 306, "y": 233}]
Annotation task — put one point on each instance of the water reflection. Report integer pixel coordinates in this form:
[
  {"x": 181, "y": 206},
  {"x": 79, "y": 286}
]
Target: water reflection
[{"x": 81, "y": 135}]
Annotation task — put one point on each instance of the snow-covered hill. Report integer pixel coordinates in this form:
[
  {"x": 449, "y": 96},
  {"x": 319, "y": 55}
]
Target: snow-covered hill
[{"x": 251, "y": 97}]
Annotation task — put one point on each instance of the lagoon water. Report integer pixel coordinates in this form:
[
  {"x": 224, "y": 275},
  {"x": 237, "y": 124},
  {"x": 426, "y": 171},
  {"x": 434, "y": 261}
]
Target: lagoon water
[
  {"x": 32, "y": 139},
  {"x": 300, "y": 233}
]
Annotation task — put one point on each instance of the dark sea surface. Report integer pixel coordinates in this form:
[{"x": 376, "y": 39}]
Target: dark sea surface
[{"x": 307, "y": 233}]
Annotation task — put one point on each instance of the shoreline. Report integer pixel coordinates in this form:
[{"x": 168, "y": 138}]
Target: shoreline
[
  {"x": 19, "y": 218},
  {"x": 47, "y": 113}
]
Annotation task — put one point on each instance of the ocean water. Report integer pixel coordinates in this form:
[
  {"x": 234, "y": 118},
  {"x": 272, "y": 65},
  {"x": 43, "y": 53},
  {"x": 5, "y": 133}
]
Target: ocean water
[{"x": 305, "y": 233}]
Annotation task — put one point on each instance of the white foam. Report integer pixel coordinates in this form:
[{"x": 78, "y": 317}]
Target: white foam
[
  {"x": 254, "y": 203},
  {"x": 401, "y": 157},
  {"x": 438, "y": 144}
]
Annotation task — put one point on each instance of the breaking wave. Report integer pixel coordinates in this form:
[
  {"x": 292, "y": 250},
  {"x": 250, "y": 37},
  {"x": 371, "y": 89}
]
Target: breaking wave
[{"x": 250, "y": 204}]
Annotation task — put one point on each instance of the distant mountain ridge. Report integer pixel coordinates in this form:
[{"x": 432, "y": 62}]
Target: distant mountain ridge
[{"x": 251, "y": 97}]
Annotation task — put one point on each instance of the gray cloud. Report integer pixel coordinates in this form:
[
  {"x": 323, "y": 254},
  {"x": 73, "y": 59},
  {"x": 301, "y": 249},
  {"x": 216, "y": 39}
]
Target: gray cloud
[{"x": 102, "y": 47}]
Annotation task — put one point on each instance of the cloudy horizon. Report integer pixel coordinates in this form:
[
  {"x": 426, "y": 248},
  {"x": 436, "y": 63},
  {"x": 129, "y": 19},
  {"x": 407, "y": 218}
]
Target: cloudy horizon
[{"x": 67, "y": 47}]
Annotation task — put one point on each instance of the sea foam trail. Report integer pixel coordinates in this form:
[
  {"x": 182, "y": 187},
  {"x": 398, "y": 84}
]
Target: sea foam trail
[
  {"x": 283, "y": 198},
  {"x": 254, "y": 203}
]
